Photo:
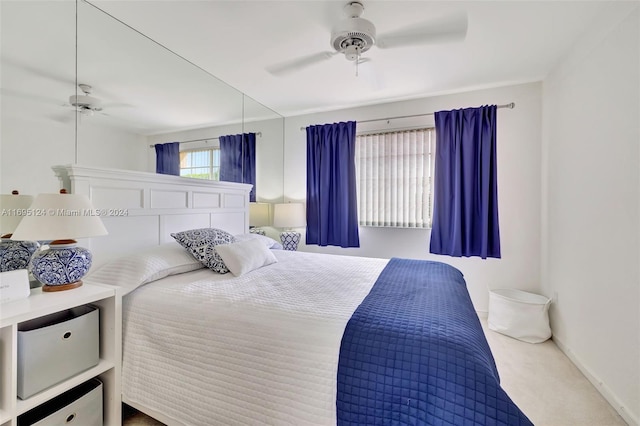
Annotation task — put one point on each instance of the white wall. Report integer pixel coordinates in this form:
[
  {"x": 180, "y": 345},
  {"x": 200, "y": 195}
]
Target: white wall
[
  {"x": 32, "y": 144},
  {"x": 519, "y": 151},
  {"x": 591, "y": 213},
  {"x": 29, "y": 147},
  {"x": 106, "y": 146}
]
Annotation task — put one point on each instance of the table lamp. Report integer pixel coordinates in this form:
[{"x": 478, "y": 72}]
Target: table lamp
[
  {"x": 60, "y": 218},
  {"x": 14, "y": 254},
  {"x": 289, "y": 215},
  {"x": 258, "y": 216}
]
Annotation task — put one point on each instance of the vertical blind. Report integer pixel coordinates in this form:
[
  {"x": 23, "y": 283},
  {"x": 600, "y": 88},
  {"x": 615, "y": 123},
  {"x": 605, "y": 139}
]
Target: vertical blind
[{"x": 394, "y": 173}]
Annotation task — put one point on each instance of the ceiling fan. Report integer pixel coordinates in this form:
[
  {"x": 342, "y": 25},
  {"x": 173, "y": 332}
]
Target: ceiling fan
[
  {"x": 355, "y": 35},
  {"x": 85, "y": 104}
]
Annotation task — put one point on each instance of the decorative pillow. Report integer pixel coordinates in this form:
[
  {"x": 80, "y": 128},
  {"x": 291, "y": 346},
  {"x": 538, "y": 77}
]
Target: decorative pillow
[
  {"x": 201, "y": 243},
  {"x": 245, "y": 256},
  {"x": 132, "y": 271},
  {"x": 269, "y": 242}
]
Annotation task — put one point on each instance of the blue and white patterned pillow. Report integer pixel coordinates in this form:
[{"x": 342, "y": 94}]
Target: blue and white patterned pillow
[{"x": 201, "y": 243}]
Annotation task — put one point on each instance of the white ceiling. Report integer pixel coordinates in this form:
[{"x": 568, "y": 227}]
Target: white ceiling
[
  {"x": 507, "y": 42},
  {"x": 147, "y": 89}
]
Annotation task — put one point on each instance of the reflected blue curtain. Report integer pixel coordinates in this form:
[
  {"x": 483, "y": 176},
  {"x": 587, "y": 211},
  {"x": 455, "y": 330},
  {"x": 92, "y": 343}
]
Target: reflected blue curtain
[
  {"x": 238, "y": 160},
  {"x": 168, "y": 158},
  {"x": 465, "y": 206},
  {"x": 332, "y": 214}
]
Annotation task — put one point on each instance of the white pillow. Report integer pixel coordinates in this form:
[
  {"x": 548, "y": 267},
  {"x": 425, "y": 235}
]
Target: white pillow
[
  {"x": 268, "y": 241},
  {"x": 245, "y": 256},
  {"x": 134, "y": 270}
]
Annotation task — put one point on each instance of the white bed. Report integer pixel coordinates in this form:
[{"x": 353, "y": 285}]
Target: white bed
[
  {"x": 270, "y": 355},
  {"x": 293, "y": 342},
  {"x": 273, "y": 362}
]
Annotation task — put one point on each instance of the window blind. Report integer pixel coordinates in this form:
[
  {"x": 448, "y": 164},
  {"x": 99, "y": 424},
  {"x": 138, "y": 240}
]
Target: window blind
[{"x": 394, "y": 173}]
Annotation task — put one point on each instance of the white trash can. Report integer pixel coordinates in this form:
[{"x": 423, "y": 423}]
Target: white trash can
[{"x": 519, "y": 314}]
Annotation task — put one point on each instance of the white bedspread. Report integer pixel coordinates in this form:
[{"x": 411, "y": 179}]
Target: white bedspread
[{"x": 206, "y": 349}]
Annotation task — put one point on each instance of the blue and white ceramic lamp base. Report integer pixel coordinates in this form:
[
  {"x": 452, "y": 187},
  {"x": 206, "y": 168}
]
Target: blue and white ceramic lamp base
[
  {"x": 16, "y": 254},
  {"x": 61, "y": 266},
  {"x": 290, "y": 240}
]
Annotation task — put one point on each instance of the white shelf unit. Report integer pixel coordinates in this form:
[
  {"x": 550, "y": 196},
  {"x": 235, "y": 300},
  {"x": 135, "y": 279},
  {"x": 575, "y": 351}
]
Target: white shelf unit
[{"x": 38, "y": 304}]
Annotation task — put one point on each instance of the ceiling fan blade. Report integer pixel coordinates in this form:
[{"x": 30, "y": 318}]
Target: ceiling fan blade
[
  {"x": 110, "y": 105},
  {"x": 29, "y": 97},
  {"x": 62, "y": 118},
  {"x": 297, "y": 64},
  {"x": 448, "y": 29},
  {"x": 37, "y": 72}
]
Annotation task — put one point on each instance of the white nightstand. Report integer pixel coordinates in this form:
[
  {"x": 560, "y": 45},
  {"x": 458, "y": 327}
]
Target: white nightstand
[{"x": 38, "y": 304}]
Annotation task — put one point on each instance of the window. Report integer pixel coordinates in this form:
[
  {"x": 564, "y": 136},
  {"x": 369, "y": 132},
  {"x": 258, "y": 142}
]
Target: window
[
  {"x": 394, "y": 174},
  {"x": 200, "y": 163}
]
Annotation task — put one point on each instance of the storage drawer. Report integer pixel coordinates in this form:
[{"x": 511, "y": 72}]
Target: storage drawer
[
  {"x": 55, "y": 347},
  {"x": 80, "y": 406}
]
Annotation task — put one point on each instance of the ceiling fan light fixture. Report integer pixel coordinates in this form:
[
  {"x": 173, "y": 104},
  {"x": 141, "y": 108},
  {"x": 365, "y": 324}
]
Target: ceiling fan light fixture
[
  {"x": 352, "y": 53},
  {"x": 86, "y": 111},
  {"x": 354, "y": 30},
  {"x": 85, "y": 103}
]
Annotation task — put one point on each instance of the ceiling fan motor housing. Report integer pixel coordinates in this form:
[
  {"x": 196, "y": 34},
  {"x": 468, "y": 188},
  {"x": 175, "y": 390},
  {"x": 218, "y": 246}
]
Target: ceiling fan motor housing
[
  {"x": 85, "y": 102},
  {"x": 353, "y": 35}
]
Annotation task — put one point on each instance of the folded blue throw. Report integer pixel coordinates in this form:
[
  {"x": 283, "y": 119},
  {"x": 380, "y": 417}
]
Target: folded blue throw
[{"x": 414, "y": 353}]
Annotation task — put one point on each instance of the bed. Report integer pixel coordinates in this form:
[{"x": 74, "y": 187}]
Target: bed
[{"x": 299, "y": 339}]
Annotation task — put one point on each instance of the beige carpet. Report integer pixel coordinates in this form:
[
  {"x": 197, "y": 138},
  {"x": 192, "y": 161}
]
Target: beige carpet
[
  {"x": 546, "y": 385},
  {"x": 539, "y": 378}
]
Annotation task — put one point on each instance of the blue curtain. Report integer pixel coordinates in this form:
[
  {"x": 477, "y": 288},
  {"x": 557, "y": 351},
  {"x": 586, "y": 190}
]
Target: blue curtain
[
  {"x": 332, "y": 216},
  {"x": 465, "y": 206},
  {"x": 168, "y": 158},
  {"x": 238, "y": 160}
]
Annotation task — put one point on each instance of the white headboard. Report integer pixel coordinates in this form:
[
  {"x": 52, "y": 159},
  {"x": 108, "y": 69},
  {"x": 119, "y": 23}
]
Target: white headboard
[{"x": 141, "y": 209}]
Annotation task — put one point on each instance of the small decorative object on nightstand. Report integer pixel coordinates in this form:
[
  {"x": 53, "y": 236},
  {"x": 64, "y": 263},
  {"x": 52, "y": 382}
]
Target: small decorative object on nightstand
[
  {"x": 63, "y": 217},
  {"x": 289, "y": 215},
  {"x": 14, "y": 254},
  {"x": 258, "y": 216}
]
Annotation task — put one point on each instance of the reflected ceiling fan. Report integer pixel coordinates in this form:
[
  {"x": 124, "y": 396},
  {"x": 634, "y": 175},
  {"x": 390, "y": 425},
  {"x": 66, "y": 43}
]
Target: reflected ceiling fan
[
  {"x": 85, "y": 104},
  {"x": 355, "y": 35}
]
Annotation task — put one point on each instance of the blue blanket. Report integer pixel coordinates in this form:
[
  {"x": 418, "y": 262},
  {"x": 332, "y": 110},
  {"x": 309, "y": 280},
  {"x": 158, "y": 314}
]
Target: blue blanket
[{"x": 414, "y": 353}]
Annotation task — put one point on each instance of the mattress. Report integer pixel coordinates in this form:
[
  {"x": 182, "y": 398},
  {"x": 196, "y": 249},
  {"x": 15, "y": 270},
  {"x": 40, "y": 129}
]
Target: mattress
[
  {"x": 312, "y": 339},
  {"x": 204, "y": 348}
]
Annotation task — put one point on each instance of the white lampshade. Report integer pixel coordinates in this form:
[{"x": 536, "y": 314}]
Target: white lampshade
[
  {"x": 289, "y": 215},
  {"x": 259, "y": 214},
  {"x": 11, "y": 209},
  {"x": 58, "y": 217}
]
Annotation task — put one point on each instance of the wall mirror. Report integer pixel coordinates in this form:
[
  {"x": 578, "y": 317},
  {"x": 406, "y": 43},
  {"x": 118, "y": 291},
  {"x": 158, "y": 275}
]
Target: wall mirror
[
  {"x": 37, "y": 60},
  {"x": 145, "y": 94},
  {"x": 146, "y": 89}
]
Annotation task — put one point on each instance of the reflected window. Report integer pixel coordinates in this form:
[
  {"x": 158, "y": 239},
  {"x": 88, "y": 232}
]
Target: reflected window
[{"x": 200, "y": 163}]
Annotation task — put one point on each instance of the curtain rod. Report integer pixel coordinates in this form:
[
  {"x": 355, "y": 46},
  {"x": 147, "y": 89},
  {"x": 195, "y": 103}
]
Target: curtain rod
[
  {"x": 201, "y": 140},
  {"x": 509, "y": 105}
]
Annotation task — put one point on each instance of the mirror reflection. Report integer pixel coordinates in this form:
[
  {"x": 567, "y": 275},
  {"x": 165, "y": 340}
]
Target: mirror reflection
[
  {"x": 37, "y": 59},
  {"x": 131, "y": 93},
  {"x": 152, "y": 91}
]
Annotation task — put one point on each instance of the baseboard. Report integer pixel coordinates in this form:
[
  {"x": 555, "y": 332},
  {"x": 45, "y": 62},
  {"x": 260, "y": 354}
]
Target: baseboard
[{"x": 606, "y": 392}]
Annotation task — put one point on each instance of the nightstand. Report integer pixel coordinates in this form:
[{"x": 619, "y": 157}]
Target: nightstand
[{"x": 108, "y": 299}]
